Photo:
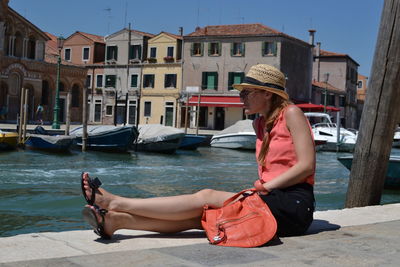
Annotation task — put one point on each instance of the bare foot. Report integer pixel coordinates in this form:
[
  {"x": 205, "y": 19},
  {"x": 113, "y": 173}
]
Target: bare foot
[
  {"x": 108, "y": 225},
  {"x": 103, "y": 199}
]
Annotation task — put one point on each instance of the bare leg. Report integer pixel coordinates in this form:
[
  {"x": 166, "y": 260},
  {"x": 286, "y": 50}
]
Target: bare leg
[
  {"x": 120, "y": 220},
  {"x": 173, "y": 208}
]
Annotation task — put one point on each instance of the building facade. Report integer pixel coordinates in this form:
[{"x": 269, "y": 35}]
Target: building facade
[
  {"x": 26, "y": 62},
  {"x": 340, "y": 71},
  {"x": 161, "y": 81},
  {"x": 216, "y": 57}
]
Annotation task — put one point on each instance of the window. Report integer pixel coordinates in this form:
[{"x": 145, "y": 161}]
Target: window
[
  {"x": 269, "y": 49},
  {"x": 85, "y": 53},
  {"x": 112, "y": 52},
  {"x": 342, "y": 100},
  {"x": 331, "y": 100},
  {"x": 147, "y": 109},
  {"x": 135, "y": 52},
  {"x": 170, "y": 51},
  {"x": 88, "y": 82},
  {"x": 153, "y": 52},
  {"x": 214, "y": 49},
  {"x": 97, "y": 111},
  {"x": 134, "y": 80},
  {"x": 110, "y": 80},
  {"x": 99, "y": 80},
  {"x": 109, "y": 110},
  {"x": 360, "y": 84},
  {"x": 170, "y": 81},
  {"x": 234, "y": 78},
  {"x": 209, "y": 80},
  {"x": 67, "y": 54},
  {"x": 148, "y": 80},
  {"x": 197, "y": 49},
  {"x": 237, "y": 49}
]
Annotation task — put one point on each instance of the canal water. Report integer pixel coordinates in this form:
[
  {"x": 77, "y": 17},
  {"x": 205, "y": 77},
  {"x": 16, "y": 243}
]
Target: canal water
[{"x": 41, "y": 192}]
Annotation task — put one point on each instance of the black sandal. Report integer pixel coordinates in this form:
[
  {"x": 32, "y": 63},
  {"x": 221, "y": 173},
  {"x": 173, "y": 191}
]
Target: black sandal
[
  {"x": 89, "y": 215},
  {"x": 94, "y": 184}
]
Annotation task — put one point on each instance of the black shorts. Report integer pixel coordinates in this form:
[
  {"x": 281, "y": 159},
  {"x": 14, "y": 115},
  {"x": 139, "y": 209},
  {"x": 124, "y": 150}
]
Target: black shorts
[{"x": 293, "y": 208}]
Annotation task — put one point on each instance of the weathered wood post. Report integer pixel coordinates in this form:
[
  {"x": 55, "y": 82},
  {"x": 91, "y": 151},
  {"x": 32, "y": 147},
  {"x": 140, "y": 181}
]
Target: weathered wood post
[
  {"x": 21, "y": 115},
  {"x": 25, "y": 115},
  {"x": 380, "y": 114},
  {"x": 84, "y": 120}
]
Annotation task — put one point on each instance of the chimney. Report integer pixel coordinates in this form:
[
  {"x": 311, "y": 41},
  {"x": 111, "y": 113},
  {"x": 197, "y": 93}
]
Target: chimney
[
  {"x": 318, "y": 52},
  {"x": 312, "y": 33}
]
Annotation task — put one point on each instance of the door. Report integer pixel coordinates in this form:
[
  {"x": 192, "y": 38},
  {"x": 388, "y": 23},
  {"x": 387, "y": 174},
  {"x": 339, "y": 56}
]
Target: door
[
  {"x": 219, "y": 118},
  {"x": 61, "y": 112},
  {"x": 120, "y": 114},
  {"x": 169, "y": 113}
]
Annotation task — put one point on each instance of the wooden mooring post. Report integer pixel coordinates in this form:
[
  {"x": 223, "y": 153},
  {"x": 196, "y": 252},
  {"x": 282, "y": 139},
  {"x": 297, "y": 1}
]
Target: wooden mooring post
[{"x": 380, "y": 114}]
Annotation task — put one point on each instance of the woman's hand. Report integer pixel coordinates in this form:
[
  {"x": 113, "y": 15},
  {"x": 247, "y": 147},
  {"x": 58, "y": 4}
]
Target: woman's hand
[{"x": 260, "y": 188}]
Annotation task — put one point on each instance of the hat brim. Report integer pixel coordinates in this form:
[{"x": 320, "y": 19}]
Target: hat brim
[{"x": 242, "y": 86}]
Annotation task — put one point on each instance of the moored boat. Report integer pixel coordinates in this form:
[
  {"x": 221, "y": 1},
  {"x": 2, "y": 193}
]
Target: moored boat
[
  {"x": 191, "y": 141},
  {"x": 324, "y": 129},
  {"x": 107, "y": 138},
  {"x": 158, "y": 138},
  {"x": 8, "y": 140},
  {"x": 49, "y": 143},
  {"x": 240, "y": 135},
  {"x": 392, "y": 174}
]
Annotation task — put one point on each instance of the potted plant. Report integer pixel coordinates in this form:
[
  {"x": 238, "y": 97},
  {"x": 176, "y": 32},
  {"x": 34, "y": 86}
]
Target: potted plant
[
  {"x": 169, "y": 59},
  {"x": 152, "y": 60}
]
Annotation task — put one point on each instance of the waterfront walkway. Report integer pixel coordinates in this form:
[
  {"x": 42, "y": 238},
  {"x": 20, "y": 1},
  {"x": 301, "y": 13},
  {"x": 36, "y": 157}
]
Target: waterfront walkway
[{"x": 366, "y": 236}]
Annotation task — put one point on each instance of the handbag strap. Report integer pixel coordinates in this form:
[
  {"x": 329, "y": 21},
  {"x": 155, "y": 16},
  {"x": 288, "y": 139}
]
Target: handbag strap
[{"x": 229, "y": 200}]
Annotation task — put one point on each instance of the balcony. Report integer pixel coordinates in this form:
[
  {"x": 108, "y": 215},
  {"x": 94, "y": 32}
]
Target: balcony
[{"x": 169, "y": 59}]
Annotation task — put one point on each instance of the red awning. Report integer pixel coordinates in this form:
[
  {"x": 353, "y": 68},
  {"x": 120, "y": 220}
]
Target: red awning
[
  {"x": 216, "y": 101},
  {"x": 315, "y": 107}
]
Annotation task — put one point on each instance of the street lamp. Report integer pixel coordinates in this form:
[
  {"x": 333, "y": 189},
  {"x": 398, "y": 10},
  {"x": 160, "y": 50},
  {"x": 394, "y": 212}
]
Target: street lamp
[
  {"x": 326, "y": 89},
  {"x": 56, "y": 123}
]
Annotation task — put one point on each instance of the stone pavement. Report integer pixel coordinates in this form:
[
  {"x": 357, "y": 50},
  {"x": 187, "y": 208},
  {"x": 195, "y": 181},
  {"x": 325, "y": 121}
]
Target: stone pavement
[{"x": 366, "y": 236}]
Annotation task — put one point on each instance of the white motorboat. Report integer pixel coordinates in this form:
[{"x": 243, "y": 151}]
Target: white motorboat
[
  {"x": 158, "y": 138},
  {"x": 324, "y": 129},
  {"x": 240, "y": 135},
  {"x": 396, "y": 138}
]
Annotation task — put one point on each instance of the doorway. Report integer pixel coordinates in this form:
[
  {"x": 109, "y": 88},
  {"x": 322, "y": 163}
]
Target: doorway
[{"x": 219, "y": 118}]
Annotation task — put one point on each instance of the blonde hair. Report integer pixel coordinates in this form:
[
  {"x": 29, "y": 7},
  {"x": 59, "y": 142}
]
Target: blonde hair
[{"x": 277, "y": 105}]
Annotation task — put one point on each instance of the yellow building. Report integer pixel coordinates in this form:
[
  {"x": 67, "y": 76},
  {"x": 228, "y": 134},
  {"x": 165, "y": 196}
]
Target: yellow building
[{"x": 161, "y": 80}]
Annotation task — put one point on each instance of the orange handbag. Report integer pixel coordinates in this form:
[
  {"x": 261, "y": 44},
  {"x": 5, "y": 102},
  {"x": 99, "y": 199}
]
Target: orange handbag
[{"x": 246, "y": 222}]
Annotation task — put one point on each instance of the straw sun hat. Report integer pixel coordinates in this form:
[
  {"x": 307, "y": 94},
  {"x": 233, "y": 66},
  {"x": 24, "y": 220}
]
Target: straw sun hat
[{"x": 264, "y": 77}]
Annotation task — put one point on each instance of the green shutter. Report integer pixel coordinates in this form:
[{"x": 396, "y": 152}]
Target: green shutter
[
  {"x": 243, "y": 49},
  {"x": 116, "y": 52},
  {"x": 232, "y": 49},
  {"x": 192, "y": 49},
  {"x": 237, "y": 78},
  {"x": 215, "y": 81},
  {"x": 202, "y": 49},
  {"x": 204, "y": 80},
  {"x": 209, "y": 49},
  {"x": 263, "y": 48},
  {"x": 140, "y": 52},
  {"x": 134, "y": 79},
  {"x": 230, "y": 80},
  {"x": 274, "y": 48}
]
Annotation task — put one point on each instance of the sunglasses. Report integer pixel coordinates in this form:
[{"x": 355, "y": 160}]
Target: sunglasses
[{"x": 246, "y": 93}]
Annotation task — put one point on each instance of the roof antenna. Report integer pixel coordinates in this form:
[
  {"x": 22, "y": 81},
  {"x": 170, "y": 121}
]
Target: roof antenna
[
  {"x": 108, "y": 9},
  {"x": 126, "y": 12}
]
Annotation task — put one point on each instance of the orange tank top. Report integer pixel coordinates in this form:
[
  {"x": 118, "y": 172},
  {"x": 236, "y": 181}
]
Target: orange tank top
[{"x": 281, "y": 155}]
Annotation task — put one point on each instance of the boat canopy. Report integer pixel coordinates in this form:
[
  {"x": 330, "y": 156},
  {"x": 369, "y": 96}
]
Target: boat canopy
[
  {"x": 239, "y": 127},
  {"x": 157, "y": 133}
]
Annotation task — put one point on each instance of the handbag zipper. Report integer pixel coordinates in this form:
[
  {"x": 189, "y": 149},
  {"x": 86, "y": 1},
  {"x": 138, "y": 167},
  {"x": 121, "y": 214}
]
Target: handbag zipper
[{"x": 217, "y": 239}]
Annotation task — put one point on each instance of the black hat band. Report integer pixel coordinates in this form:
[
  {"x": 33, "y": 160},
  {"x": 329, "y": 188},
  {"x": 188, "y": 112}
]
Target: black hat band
[{"x": 257, "y": 82}]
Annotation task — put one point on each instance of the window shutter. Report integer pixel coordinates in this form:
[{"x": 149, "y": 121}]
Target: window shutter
[
  {"x": 230, "y": 80},
  {"x": 219, "y": 48},
  {"x": 165, "y": 80},
  {"x": 215, "y": 80},
  {"x": 274, "y": 48},
  {"x": 201, "y": 49},
  {"x": 243, "y": 49},
  {"x": 116, "y": 53},
  {"x": 192, "y": 49},
  {"x": 232, "y": 46},
  {"x": 209, "y": 49},
  {"x": 139, "y": 52},
  {"x": 263, "y": 48},
  {"x": 174, "y": 80},
  {"x": 204, "y": 80}
]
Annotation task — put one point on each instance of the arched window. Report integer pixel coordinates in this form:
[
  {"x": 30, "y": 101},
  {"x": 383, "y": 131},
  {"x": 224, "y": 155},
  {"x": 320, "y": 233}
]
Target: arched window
[
  {"x": 75, "y": 96},
  {"x": 18, "y": 45},
  {"x": 45, "y": 93},
  {"x": 62, "y": 87},
  {"x": 31, "y": 48}
]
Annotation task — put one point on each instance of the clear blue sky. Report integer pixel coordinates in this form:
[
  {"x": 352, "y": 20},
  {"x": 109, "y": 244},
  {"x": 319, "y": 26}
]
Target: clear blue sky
[{"x": 343, "y": 26}]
